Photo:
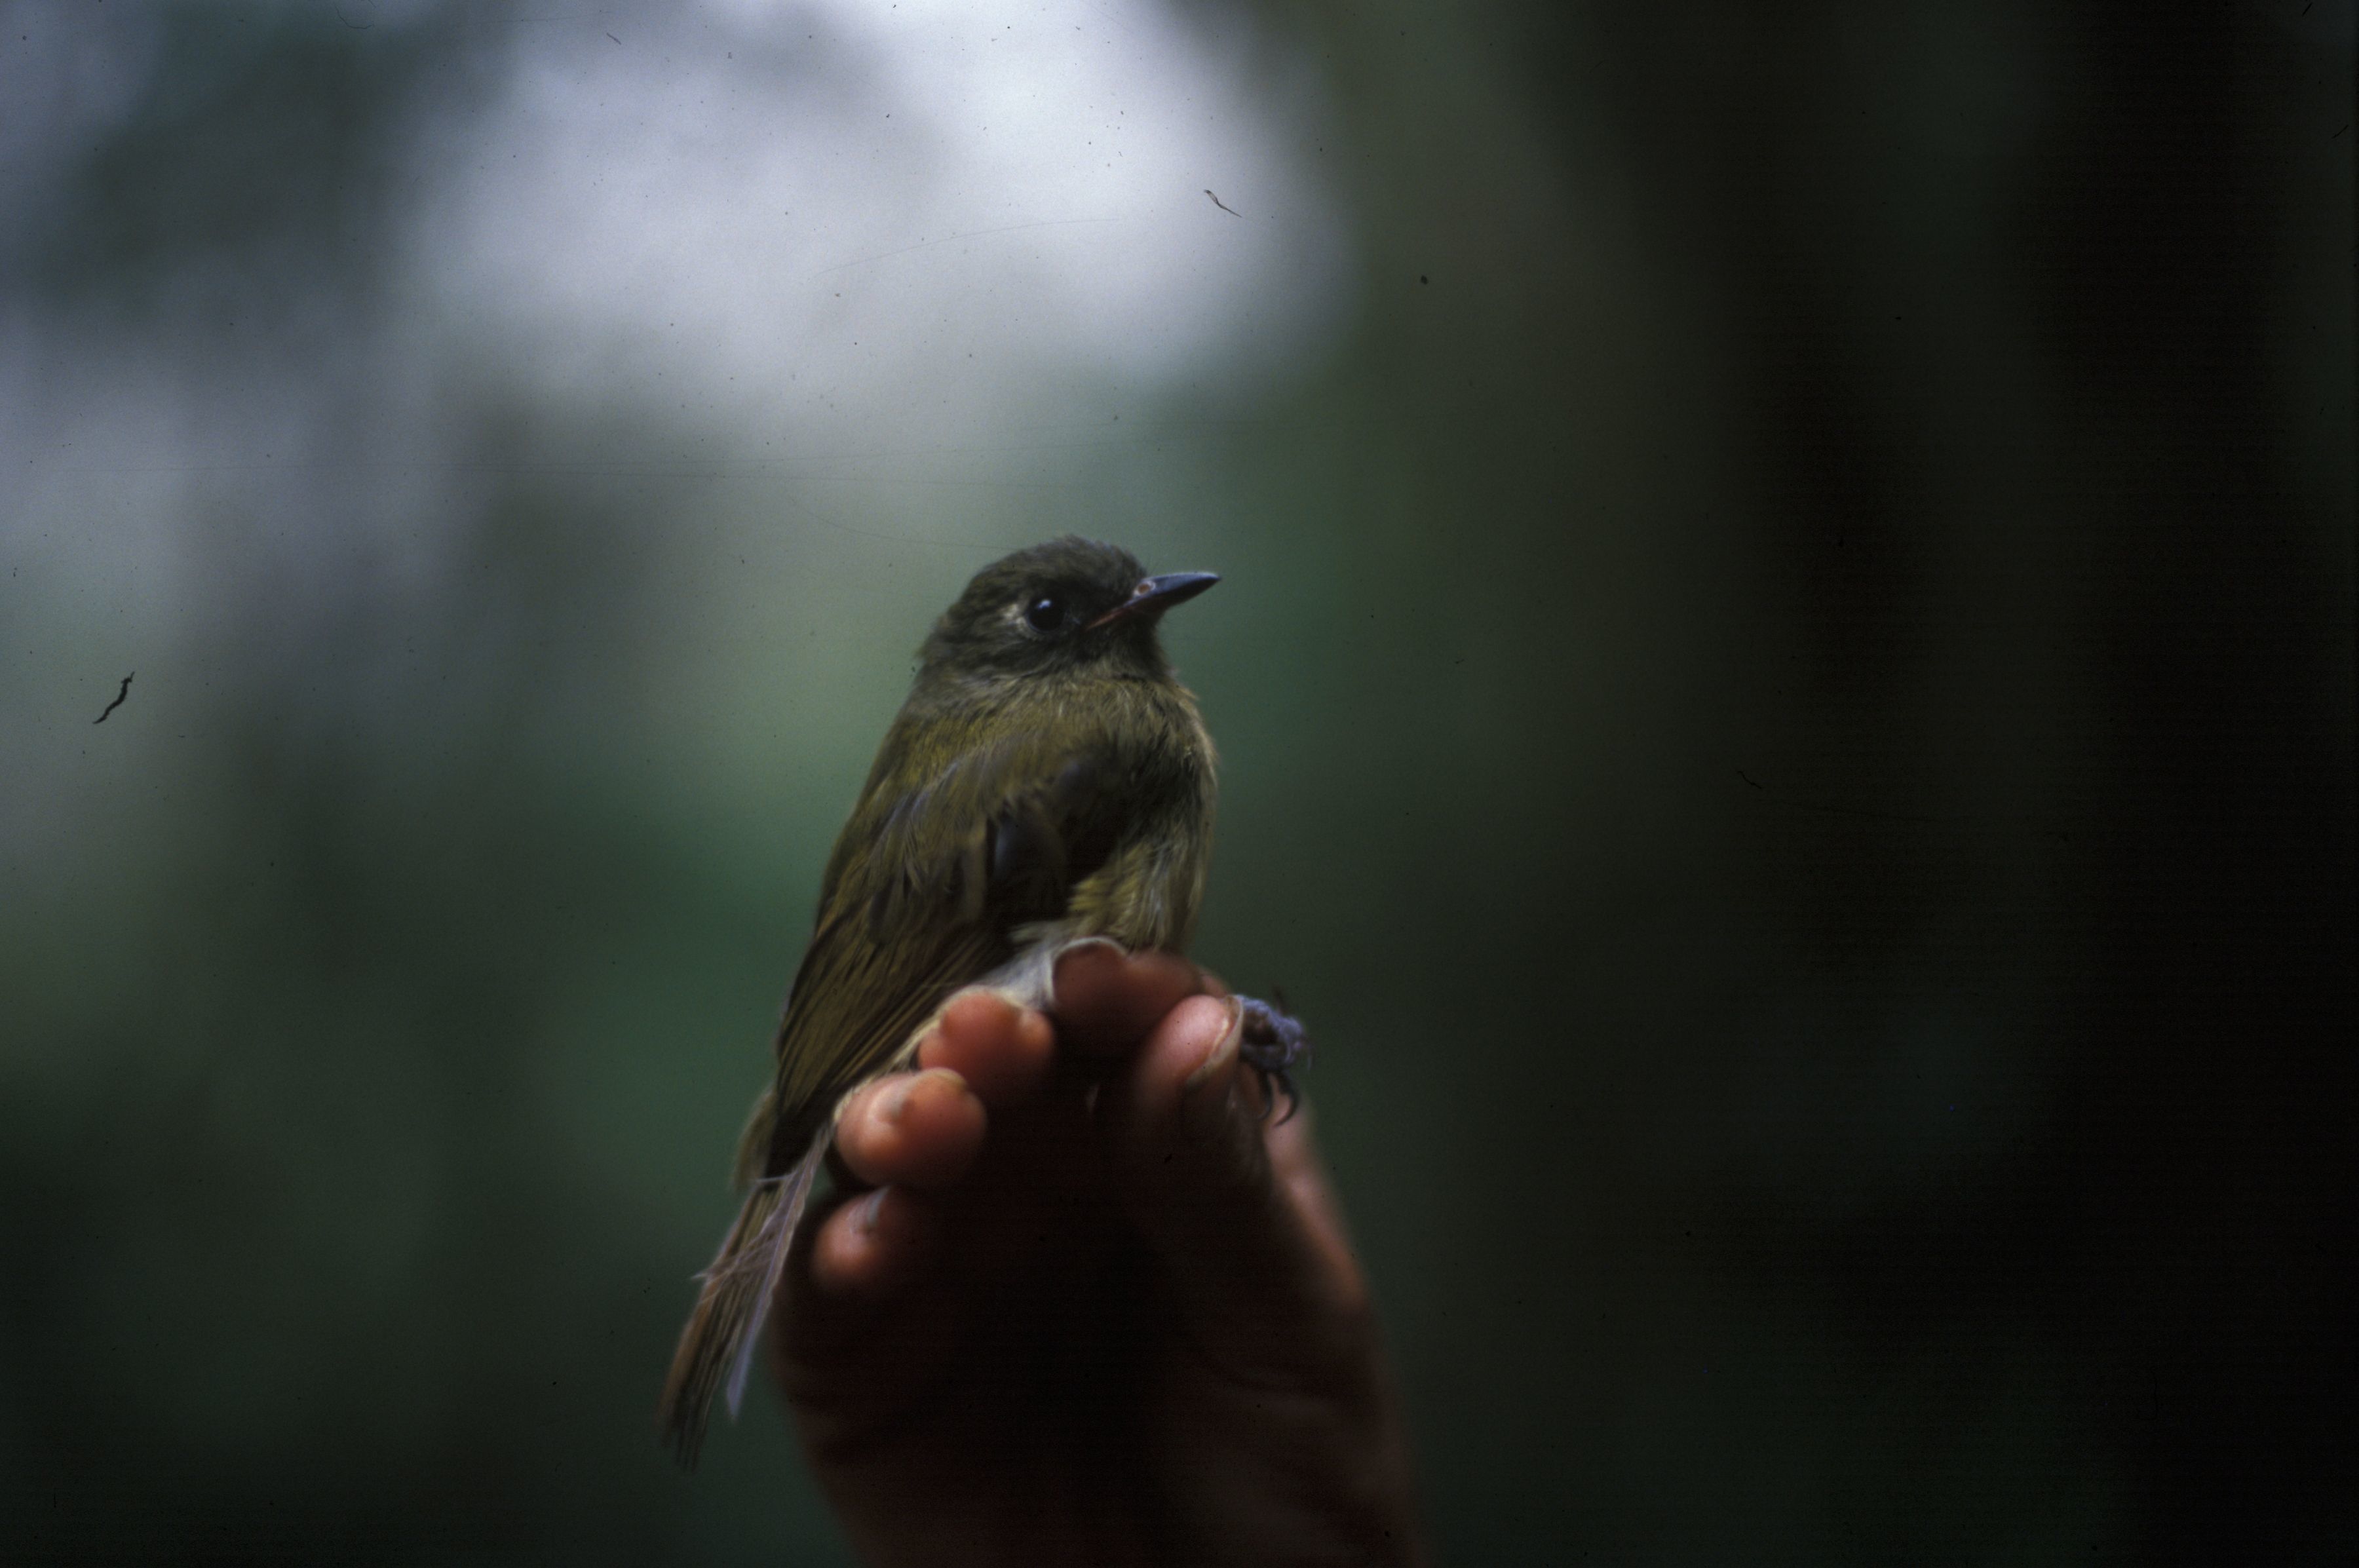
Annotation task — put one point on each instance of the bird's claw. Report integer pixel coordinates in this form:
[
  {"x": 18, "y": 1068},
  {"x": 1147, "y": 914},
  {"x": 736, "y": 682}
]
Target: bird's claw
[{"x": 1275, "y": 1041}]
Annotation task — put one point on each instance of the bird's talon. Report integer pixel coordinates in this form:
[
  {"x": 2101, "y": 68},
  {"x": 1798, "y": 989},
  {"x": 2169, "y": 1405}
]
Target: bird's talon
[{"x": 1275, "y": 1041}]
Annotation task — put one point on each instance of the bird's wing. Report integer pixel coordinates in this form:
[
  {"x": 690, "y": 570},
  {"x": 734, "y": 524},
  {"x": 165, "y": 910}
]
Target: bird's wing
[{"x": 932, "y": 874}]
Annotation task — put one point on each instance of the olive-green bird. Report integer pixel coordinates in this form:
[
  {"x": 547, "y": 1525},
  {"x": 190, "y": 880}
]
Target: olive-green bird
[{"x": 1049, "y": 780}]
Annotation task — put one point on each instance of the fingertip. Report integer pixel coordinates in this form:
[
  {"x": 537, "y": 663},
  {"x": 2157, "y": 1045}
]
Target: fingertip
[
  {"x": 920, "y": 1129},
  {"x": 1002, "y": 1050},
  {"x": 1107, "y": 1000},
  {"x": 1191, "y": 1060},
  {"x": 975, "y": 1012},
  {"x": 1092, "y": 962},
  {"x": 875, "y": 1243}
]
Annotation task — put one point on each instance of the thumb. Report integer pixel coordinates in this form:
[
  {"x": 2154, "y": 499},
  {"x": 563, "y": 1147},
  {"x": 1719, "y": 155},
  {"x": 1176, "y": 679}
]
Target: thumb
[{"x": 1235, "y": 1206}]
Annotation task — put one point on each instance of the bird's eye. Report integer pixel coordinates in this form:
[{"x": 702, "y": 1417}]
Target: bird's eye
[{"x": 1046, "y": 613}]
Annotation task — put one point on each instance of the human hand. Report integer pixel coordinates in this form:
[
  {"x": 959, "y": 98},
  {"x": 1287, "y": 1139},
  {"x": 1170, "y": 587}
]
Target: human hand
[{"x": 1079, "y": 1301}]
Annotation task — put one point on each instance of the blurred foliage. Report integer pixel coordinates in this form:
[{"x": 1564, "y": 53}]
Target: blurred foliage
[{"x": 1786, "y": 698}]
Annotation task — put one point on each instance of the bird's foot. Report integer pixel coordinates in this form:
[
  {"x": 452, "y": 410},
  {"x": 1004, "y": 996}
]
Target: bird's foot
[{"x": 1275, "y": 1041}]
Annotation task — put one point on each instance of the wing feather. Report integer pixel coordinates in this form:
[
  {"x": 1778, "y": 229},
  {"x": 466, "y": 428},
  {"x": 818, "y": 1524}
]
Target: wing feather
[{"x": 932, "y": 875}]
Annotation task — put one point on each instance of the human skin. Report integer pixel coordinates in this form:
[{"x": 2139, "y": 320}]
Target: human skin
[{"x": 1078, "y": 1299}]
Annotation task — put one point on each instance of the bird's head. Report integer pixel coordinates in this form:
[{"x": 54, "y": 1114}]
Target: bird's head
[{"x": 1071, "y": 605}]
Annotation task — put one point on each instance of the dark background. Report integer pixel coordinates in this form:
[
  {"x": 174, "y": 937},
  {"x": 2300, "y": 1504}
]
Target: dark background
[{"x": 1786, "y": 688}]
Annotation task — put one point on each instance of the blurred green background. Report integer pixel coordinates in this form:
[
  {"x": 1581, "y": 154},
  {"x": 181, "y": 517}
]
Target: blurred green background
[{"x": 1785, "y": 680}]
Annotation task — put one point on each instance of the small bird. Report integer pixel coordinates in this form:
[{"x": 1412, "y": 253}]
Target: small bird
[{"x": 1048, "y": 781}]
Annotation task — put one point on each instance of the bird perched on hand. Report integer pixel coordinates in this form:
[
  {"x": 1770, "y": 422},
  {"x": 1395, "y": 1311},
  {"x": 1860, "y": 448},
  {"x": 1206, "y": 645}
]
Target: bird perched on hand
[{"x": 1049, "y": 782}]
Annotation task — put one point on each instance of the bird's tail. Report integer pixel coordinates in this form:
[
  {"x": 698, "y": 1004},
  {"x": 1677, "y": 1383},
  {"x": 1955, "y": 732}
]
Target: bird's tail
[{"x": 724, "y": 1332}]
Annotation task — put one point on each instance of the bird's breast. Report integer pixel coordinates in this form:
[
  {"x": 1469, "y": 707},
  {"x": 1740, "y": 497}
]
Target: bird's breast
[{"x": 1146, "y": 892}]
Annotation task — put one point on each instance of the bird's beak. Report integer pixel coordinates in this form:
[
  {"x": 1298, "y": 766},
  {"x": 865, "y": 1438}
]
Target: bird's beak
[{"x": 1156, "y": 595}]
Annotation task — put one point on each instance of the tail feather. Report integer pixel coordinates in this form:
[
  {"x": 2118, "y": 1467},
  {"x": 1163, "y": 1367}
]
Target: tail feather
[{"x": 725, "y": 1332}]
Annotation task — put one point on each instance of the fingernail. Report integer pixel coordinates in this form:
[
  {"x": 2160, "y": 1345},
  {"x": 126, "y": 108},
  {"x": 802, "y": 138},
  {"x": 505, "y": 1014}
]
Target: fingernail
[
  {"x": 863, "y": 1218},
  {"x": 1223, "y": 1050},
  {"x": 897, "y": 1100},
  {"x": 908, "y": 1091}
]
